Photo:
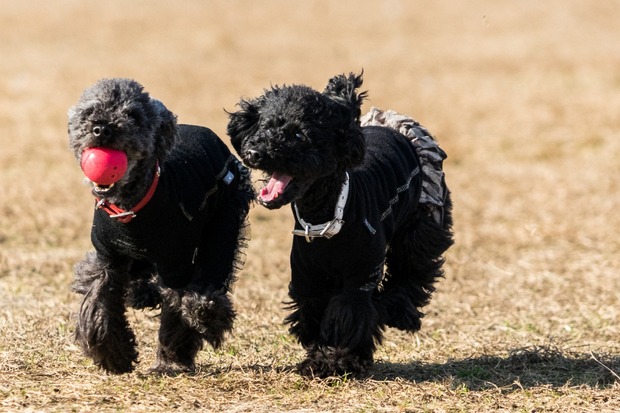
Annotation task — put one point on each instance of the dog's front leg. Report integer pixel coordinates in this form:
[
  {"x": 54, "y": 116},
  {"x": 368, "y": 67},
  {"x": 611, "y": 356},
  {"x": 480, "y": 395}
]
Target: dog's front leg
[
  {"x": 102, "y": 329},
  {"x": 210, "y": 313},
  {"x": 348, "y": 333},
  {"x": 188, "y": 318},
  {"x": 178, "y": 342}
]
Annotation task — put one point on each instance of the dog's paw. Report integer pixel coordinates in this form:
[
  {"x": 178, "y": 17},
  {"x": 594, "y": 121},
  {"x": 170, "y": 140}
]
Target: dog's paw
[
  {"x": 113, "y": 357},
  {"x": 118, "y": 365},
  {"x": 324, "y": 362},
  {"x": 170, "y": 369},
  {"x": 210, "y": 315}
]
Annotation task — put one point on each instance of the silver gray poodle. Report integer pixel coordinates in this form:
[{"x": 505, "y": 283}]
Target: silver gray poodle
[{"x": 167, "y": 234}]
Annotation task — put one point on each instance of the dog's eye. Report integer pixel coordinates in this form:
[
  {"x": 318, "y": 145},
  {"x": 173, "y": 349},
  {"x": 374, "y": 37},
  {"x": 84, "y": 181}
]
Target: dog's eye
[{"x": 301, "y": 137}]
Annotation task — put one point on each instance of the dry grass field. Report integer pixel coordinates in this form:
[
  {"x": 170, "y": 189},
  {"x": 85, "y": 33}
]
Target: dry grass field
[{"x": 525, "y": 98}]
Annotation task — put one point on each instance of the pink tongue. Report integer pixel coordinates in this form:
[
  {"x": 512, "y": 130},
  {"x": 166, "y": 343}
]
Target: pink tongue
[{"x": 275, "y": 187}]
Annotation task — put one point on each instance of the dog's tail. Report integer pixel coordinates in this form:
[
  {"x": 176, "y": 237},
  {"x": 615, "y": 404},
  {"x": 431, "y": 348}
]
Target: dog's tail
[{"x": 343, "y": 89}]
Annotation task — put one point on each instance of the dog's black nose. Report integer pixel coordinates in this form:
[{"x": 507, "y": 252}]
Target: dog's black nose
[
  {"x": 253, "y": 156},
  {"x": 102, "y": 131}
]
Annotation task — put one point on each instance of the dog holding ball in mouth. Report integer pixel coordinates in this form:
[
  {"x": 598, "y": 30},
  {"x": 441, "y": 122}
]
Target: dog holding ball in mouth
[{"x": 171, "y": 205}]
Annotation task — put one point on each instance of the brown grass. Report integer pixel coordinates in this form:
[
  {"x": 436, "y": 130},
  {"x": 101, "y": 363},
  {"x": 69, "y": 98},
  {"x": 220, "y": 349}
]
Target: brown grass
[{"x": 525, "y": 98}]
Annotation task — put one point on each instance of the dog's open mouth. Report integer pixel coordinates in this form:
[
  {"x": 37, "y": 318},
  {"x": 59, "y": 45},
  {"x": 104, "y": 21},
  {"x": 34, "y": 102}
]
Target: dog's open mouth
[
  {"x": 103, "y": 167},
  {"x": 275, "y": 187},
  {"x": 100, "y": 188}
]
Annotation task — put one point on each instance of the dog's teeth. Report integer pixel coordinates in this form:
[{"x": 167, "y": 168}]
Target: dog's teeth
[{"x": 101, "y": 188}]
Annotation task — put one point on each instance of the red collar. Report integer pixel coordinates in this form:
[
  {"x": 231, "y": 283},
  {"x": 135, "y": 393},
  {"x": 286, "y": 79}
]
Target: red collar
[{"x": 125, "y": 216}]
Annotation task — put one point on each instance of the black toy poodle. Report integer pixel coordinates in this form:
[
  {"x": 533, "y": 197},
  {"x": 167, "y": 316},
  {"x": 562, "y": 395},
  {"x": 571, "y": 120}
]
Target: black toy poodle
[{"x": 372, "y": 215}]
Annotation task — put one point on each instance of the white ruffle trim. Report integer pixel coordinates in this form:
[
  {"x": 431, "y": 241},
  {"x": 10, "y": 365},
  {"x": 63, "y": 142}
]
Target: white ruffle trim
[{"x": 431, "y": 156}]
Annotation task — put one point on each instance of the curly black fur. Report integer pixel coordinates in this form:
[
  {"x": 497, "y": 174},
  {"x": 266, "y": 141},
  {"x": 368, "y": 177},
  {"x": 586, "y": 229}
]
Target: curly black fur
[
  {"x": 181, "y": 251},
  {"x": 380, "y": 269},
  {"x": 102, "y": 328},
  {"x": 313, "y": 137}
]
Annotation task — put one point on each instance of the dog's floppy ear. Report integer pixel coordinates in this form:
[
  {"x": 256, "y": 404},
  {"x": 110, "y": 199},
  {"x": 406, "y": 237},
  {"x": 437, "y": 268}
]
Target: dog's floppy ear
[
  {"x": 166, "y": 134},
  {"x": 242, "y": 123},
  {"x": 343, "y": 90}
]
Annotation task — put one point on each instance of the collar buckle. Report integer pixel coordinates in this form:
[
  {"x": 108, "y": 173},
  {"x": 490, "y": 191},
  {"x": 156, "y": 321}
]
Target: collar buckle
[
  {"x": 327, "y": 229},
  {"x": 120, "y": 214},
  {"x": 124, "y": 214},
  {"x": 307, "y": 234}
]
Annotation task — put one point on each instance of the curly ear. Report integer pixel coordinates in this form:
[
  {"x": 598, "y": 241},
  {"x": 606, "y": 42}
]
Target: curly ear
[
  {"x": 243, "y": 123},
  {"x": 167, "y": 130},
  {"x": 343, "y": 89}
]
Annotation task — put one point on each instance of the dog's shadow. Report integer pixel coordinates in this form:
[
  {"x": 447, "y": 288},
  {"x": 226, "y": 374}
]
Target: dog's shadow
[{"x": 523, "y": 368}]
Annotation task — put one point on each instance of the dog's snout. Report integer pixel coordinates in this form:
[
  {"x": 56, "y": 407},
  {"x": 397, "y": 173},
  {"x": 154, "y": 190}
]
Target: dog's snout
[
  {"x": 253, "y": 156},
  {"x": 102, "y": 131}
]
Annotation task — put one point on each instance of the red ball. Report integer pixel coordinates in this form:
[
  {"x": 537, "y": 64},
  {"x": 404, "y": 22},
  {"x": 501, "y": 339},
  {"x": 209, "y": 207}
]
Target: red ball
[{"x": 104, "y": 166}]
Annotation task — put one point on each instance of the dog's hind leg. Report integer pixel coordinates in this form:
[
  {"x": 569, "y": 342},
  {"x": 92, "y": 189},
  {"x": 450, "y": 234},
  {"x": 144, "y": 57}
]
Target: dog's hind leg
[
  {"x": 349, "y": 333},
  {"x": 414, "y": 263},
  {"x": 102, "y": 329}
]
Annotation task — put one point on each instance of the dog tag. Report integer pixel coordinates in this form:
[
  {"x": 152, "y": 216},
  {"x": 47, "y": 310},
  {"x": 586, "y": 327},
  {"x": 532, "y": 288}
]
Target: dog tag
[{"x": 228, "y": 178}]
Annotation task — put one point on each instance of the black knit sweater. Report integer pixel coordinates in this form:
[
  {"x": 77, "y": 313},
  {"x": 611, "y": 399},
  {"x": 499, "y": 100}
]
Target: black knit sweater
[
  {"x": 189, "y": 229},
  {"x": 384, "y": 190}
]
